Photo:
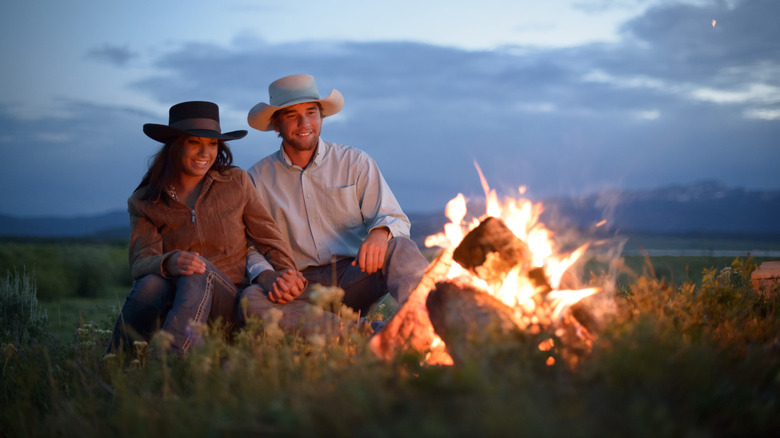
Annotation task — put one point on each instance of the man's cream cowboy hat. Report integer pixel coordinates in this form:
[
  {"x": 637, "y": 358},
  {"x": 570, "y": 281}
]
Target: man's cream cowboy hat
[{"x": 291, "y": 90}]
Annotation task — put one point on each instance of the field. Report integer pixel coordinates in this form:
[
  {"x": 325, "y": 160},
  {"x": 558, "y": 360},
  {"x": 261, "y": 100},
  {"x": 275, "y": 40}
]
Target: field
[{"x": 691, "y": 350}]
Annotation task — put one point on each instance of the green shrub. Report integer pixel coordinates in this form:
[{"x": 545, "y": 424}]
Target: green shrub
[
  {"x": 69, "y": 269},
  {"x": 19, "y": 311},
  {"x": 89, "y": 270}
]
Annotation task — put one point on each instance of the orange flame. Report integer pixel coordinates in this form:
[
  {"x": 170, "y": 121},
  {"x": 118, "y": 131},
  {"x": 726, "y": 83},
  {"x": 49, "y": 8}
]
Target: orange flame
[{"x": 522, "y": 217}]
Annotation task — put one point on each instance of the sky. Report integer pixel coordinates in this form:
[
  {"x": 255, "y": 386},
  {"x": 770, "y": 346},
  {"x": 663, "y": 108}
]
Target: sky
[{"x": 563, "y": 97}]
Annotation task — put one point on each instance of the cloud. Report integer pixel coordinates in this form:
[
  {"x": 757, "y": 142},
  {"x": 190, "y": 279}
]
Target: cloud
[
  {"x": 554, "y": 119},
  {"x": 118, "y": 56},
  {"x": 674, "y": 101},
  {"x": 685, "y": 47},
  {"x": 85, "y": 163}
]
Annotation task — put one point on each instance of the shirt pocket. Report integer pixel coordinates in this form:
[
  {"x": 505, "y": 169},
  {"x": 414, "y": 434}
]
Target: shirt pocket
[{"x": 342, "y": 208}]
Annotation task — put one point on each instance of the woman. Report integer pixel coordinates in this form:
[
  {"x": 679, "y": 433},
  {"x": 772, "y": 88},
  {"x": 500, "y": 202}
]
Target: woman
[{"x": 191, "y": 220}]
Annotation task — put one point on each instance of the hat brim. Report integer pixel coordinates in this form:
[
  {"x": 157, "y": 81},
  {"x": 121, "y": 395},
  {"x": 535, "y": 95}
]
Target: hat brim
[
  {"x": 163, "y": 133},
  {"x": 260, "y": 115}
]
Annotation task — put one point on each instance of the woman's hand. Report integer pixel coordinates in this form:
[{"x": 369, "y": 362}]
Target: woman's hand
[
  {"x": 184, "y": 263},
  {"x": 282, "y": 287},
  {"x": 287, "y": 287}
]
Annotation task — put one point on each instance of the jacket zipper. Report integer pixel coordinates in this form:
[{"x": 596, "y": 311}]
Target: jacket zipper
[{"x": 193, "y": 215}]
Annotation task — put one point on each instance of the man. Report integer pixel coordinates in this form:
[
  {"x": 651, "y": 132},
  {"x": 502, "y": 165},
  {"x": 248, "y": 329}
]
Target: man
[{"x": 345, "y": 226}]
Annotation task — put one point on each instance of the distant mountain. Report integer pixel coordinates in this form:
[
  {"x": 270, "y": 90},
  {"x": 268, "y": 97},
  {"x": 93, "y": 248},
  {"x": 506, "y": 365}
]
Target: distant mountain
[
  {"x": 112, "y": 225},
  {"x": 703, "y": 207},
  {"x": 707, "y": 206}
]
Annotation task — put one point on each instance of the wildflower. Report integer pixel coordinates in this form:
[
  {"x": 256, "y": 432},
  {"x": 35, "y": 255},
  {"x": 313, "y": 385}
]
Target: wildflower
[
  {"x": 271, "y": 320},
  {"x": 314, "y": 311},
  {"x": 328, "y": 298},
  {"x": 272, "y": 316},
  {"x": 111, "y": 361},
  {"x": 317, "y": 340},
  {"x": 162, "y": 340},
  {"x": 348, "y": 313},
  {"x": 140, "y": 347},
  {"x": 724, "y": 278},
  {"x": 205, "y": 364},
  {"x": 80, "y": 332},
  {"x": 195, "y": 332},
  {"x": 9, "y": 350}
]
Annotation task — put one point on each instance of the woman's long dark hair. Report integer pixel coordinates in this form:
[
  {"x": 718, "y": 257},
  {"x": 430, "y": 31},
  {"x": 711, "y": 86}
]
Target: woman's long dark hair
[{"x": 166, "y": 164}]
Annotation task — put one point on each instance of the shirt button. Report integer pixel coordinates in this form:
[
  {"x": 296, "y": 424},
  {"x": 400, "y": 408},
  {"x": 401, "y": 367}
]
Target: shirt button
[{"x": 308, "y": 196}]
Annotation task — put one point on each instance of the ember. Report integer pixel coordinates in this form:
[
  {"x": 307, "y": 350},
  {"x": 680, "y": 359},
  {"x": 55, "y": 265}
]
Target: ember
[{"x": 506, "y": 281}]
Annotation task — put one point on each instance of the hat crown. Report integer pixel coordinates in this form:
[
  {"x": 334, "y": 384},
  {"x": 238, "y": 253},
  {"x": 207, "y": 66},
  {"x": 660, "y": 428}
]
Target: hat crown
[
  {"x": 194, "y": 115},
  {"x": 293, "y": 89}
]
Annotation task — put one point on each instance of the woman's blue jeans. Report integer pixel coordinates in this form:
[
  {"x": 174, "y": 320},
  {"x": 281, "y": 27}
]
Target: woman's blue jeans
[{"x": 176, "y": 305}]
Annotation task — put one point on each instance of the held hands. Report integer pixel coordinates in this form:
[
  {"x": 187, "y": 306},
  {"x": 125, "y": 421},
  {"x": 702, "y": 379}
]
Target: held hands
[
  {"x": 371, "y": 255},
  {"x": 282, "y": 286},
  {"x": 184, "y": 263}
]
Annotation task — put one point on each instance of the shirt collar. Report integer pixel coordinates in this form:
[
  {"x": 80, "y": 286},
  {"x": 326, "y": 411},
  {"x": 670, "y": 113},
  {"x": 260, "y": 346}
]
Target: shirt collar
[{"x": 322, "y": 148}]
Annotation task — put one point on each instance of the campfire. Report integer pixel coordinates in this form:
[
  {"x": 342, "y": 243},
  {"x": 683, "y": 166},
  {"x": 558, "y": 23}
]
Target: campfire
[{"x": 497, "y": 276}]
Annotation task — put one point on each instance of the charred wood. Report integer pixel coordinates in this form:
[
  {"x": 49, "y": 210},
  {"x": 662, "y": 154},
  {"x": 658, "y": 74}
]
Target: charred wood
[
  {"x": 491, "y": 236},
  {"x": 469, "y": 321},
  {"x": 410, "y": 328}
]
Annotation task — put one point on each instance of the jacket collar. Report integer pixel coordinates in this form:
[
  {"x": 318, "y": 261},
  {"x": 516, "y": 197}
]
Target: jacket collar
[
  {"x": 210, "y": 177},
  {"x": 217, "y": 176}
]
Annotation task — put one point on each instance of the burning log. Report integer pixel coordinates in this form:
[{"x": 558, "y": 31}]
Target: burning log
[
  {"x": 491, "y": 250},
  {"x": 594, "y": 312},
  {"x": 468, "y": 320},
  {"x": 410, "y": 327}
]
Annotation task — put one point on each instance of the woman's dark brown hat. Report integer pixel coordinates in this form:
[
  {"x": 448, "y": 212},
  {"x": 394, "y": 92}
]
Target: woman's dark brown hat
[{"x": 197, "y": 118}]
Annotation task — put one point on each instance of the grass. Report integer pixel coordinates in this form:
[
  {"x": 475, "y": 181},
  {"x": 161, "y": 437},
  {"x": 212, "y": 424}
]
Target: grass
[
  {"x": 679, "y": 357},
  {"x": 676, "y": 270},
  {"x": 68, "y": 314},
  {"x": 70, "y": 267},
  {"x": 702, "y": 242}
]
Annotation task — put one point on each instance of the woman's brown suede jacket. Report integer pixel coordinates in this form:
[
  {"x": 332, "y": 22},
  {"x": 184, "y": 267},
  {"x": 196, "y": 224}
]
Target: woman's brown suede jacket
[{"x": 227, "y": 214}]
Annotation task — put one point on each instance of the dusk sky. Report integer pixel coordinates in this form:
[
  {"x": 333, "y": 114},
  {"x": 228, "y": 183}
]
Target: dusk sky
[{"x": 565, "y": 97}]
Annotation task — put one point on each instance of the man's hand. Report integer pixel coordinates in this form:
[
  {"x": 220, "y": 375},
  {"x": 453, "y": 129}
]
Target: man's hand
[
  {"x": 184, "y": 263},
  {"x": 282, "y": 286},
  {"x": 371, "y": 255}
]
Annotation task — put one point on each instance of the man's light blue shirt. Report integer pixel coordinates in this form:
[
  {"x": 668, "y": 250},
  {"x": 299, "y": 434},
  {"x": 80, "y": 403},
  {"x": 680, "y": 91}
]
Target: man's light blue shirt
[{"x": 327, "y": 209}]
